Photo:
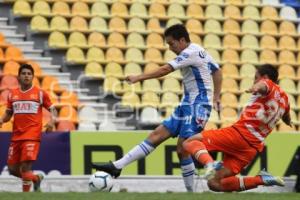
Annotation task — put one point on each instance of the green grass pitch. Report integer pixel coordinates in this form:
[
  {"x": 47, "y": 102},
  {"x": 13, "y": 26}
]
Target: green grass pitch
[{"x": 150, "y": 196}]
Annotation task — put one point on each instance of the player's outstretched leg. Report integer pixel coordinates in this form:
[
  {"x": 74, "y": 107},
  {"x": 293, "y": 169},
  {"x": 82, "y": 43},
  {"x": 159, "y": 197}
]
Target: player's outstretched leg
[
  {"x": 109, "y": 168},
  {"x": 270, "y": 180},
  {"x": 212, "y": 168},
  {"x": 37, "y": 183}
]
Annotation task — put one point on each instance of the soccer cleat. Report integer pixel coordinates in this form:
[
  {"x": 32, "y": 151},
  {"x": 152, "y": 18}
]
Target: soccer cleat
[
  {"x": 270, "y": 180},
  {"x": 37, "y": 185},
  {"x": 109, "y": 168},
  {"x": 211, "y": 169}
]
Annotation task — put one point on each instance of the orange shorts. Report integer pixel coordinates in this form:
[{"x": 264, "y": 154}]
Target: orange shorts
[
  {"x": 23, "y": 150},
  {"x": 237, "y": 152}
]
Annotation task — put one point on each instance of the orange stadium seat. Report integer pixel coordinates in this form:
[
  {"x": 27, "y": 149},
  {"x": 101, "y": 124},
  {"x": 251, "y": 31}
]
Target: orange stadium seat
[
  {"x": 78, "y": 23},
  {"x": 287, "y": 42},
  {"x": 96, "y": 39},
  {"x": 194, "y": 26},
  {"x": 36, "y": 82},
  {"x": 286, "y": 71},
  {"x": 119, "y": 9},
  {"x": 230, "y": 70},
  {"x": 229, "y": 114},
  {"x": 50, "y": 83},
  {"x": 69, "y": 98},
  {"x": 269, "y": 27},
  {"x": 150, "y": 67},
  {"x": 157, "y": 10},
  {"x": 268, "y": 56},
  {"x": 231, "y": 41},
  {"x": 287, "y": 57},
  {"x": 269, "y": 12},
  {"x": 153, "y": 25},
  {"x": 11, "y": 68},
  {"x": 65, "y": 125},
  {"x": 68, "y": 113},
  {"x": 229, "y": 99},
  {"x": 36, "y": 67},
  {"x": 230, "y": 85},
  {"x": 117, "y": 24},
  {"x": 114, "y": 54},
  {"x": 195, "y": 38},
  {"x": 153, "y": 55},
  {"x": 287, "y": 28},
  {"x": 81, "y": 9},
  {"x": 155, "y": 40},
  {"x": 232, "y": 11},
  {"x": 9, "y": 82},
  {"x": 3, "y": 99},
  {"x": 116, "y": 39},
  {"x": 61, "y": 8},
  {"x": 268, "y": 42},
  {"x": 194, "y": 11},
  {"x": 14, "y": 53},
  {"x": 230, "y": 56},
  {"x": 231, "y": 26}
]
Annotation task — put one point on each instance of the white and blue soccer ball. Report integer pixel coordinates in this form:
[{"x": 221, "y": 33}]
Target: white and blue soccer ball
[{"x": 100, "y": 182}]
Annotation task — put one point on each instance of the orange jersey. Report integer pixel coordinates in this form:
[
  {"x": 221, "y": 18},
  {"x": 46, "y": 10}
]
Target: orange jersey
[
  {"x": 262, "y": 113},
  {"x": 27, "y": 111}
]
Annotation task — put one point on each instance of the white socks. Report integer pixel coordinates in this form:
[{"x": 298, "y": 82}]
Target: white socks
[
  {"x": 137, "y": 152},
  {"x": 188, "y": 171}
]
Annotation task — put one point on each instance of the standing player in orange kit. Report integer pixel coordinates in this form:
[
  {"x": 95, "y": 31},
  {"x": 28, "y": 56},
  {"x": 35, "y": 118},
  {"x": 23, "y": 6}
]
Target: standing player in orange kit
[
  {"x": 241, "y": 141},
  {"x": 25, "y": 105}
]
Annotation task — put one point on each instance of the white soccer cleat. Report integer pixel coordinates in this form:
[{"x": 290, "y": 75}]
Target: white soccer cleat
[
  {"x": 211, "y": 169},
  {"x": 270, "y": 180}
]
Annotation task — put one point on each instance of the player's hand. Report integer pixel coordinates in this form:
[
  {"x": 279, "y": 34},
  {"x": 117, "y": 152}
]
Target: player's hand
[
  {"x": 1, "y": 122},
  {"x": 217, "y": 106},
  {"x": 252, "y": 90},
  {"x": 132, "y": 79},
  {"x": 49, "y": 127}
]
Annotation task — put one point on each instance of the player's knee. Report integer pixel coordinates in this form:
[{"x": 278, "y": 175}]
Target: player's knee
[
  {"x": 214, "y": 185},
  {"x": 13, "y": 170}
]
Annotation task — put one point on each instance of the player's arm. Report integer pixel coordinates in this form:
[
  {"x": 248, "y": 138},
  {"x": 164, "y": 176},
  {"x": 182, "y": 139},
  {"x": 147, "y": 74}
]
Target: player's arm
[
  {"x": 6, "y": 117},
  {"x": 217, "y": 81},
  {"x": 286, "y": 118},
  {"x": 51, "y": 124},
  {"x": 259, "y": 87},
  {"x": 161, "y": 71}
]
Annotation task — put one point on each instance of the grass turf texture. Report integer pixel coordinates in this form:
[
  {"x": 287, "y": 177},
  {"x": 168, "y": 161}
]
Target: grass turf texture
[{"x": 149, "y": 196}]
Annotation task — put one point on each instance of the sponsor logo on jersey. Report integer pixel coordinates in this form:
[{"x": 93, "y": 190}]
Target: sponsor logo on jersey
[{"x": 22, "y": 107}]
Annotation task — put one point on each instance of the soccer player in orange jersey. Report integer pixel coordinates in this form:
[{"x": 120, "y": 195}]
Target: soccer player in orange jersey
[
  {"x": 25, "y": 105},
  {"x": 245, "y": 138}
]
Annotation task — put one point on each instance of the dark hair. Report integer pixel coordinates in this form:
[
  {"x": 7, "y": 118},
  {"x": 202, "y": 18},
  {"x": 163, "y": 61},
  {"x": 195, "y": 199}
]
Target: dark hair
[
  {"x": 268, "y": 70},
  {"x": 177, "y": 31},
  {"x": 26, "y": 66}
]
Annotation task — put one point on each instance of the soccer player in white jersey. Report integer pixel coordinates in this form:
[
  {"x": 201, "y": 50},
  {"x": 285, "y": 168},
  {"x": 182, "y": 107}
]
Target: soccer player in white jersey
[{"x": 199, "y": 70}]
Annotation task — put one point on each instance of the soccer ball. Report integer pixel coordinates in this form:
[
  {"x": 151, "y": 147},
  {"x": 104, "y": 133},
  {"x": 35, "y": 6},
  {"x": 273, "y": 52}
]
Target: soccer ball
[{"x": 100, "y": 181}]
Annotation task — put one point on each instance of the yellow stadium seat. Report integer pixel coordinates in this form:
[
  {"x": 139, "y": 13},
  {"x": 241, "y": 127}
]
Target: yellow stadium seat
[
  {"x": 246, "y": 83},
  {"x": 286, "y": 71},
  {"x": 59, "y": 23},
  {"x": 234, "y": 2},
  {"x": 269, "y": 12},
  {"x": 194, "y": 26},
  {"x": 169, "y": 99},
  {"x": 218, "y": 2},
  {"x": 94, "y": 69},
  {"x": 117, "y": 24},
  {"x": 130, "y": 99},
  {"x": 200, "y": 2},
  {"x": 285, "y": 128},
  {"x": 251, "y": 12},
  {"x": 77, "y": 39},
  {"x": 119, "y": 9},
  {"x": 194, "y": 11},
  {"x": 171, "y": 85},
  {"x": 114, "y": 54},
  {"x": 41, "y": 8},
  {"x": 135, "y": 40},
  {"x": 268, "y": 42},
  {"x": 195, "y": 38},
  {"x": 100, "y": 9},
  {"x": 250, "y": 42},
  {"x": 137, "y": 88},
  {"x": 96, "y": 39},
  {"x": 213, "y": 11},
  {"x": 95, "y": 54},
  {"x": 137, "y": 25},
  {"x": 153, "y": 25},
  {"x": 176, "y": 10},
  {"x": 229, "y": 114},
  {"x": 231, "y": 41},
  {"x": 116, "y": 39},
  {"x": 287, "y": 57},
  {"x": 268, "y": 56},
  {"x": 75, "y": 54},
  {"x": 134, "y": 55},
  {"x": 250, "y": 26},
  {"x": 233, "y": 12},
  {"x": 78, "y": 24},
  {"x": 287, "y": 28},
  {"x": 215, "y": 54},
  {"x": 153, "y": 55},
  {"x": 169, "y": 55},
  {"x": 39, "y": 23},
  {"x": 81, "y": 9},
  {"x": 151, "y": 67},
  {"x": 229, "y": 85},
  {"x": 287, "y": 42},
  {"x": 21, "y": 7},
  {"x": 98, "y": 24},
  {"x": 212, "y": 41},
  {"x": 173, "y": 21},
  {"x": 268, "y": 27},
  {"x": 138, "y": 9},
  {"x": 155, "y": 40},
  {"x": 253, "y": 2},
  {"x": 244, "y": 99},
  {"x": 112, "y": 85},
  {"x": 247, "y": 70},
  {"x": 151, "y": 85},
  {"x": 288, "y": 85},
  {"x": 230, "y": 56},
  {"x": 57, "y": 40},
  {"x": 132, "y": 68},
  {"x": 61, "y": 8},
  {"x": 249, "y": 56},
  {"x": 231, "y": 26},
  {"x": 150, "y": 99},
  {"x": 229, "y": 99},
  {"x": 230, "y": 70},
  {"x": 157, "y": 10},
  {"x": 114, "y": 69},
  {"x": 212, "y": 26}
]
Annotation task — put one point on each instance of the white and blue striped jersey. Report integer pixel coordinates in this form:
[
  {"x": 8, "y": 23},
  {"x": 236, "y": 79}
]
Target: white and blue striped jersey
[{"x": 196, "y": 67}]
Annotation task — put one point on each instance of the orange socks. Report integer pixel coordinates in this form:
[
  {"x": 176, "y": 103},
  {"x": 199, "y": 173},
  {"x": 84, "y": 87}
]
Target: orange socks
[
  {"x": 27, "y": 178},
  {"x": 235, "y": 183},
  {"x": 199, "y": 151}
]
